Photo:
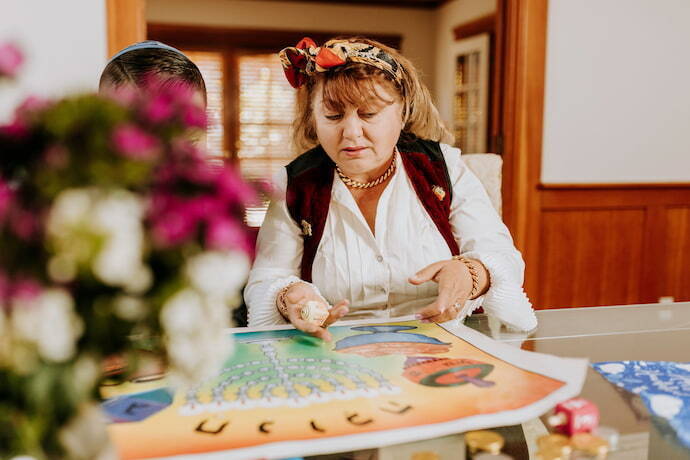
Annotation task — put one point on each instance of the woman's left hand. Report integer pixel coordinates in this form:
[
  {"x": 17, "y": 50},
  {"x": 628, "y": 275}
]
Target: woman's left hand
[{"x": 454, "y": 288}]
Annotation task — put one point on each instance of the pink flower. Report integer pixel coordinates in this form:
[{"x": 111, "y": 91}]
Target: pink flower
[
  {"x": 20, "y": 289},
  {"x": 25, "y": 289},
  {"x": 10, "y": 60},
  {"x": 178, "y": 89},
  {"x": 125, "y": 95},
  {"x": 31, "y": 104},
  {"x": 200, "y": 172},
  {"x": 202, "y": 207},
  {"x": 6, "y": 195},
  {"x": 172, "y": 229},
  {"x": 224, "y": 233},
  {"x": 4, "y": 287},
  {"x": 161, "y": 202},
  {"x": 159, "y": 108},
  {"x": 231, "y": 186},
  {"x": 24, "y": 224},
  {"x": 194, "y": 116},
  {"x": 19, "y": 127},
  {"x": 16, "y": 129},
  {"x": 135, "y": 143},
  {"x": 56, "y": 156}
]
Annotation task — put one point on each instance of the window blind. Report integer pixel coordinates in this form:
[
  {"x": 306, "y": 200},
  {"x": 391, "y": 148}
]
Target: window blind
[
  {"x": 267, "y": 109},
  {"x": 212, "y": 69},
  {"x": 466, "y": 106}
]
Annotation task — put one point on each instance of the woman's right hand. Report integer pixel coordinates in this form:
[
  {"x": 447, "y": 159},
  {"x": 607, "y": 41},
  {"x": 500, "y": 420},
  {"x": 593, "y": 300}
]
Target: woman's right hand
[{"x": 297, "y": 296}]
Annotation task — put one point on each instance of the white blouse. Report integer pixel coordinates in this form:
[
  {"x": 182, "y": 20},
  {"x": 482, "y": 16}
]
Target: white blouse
[{"x": 372, "y": 270}]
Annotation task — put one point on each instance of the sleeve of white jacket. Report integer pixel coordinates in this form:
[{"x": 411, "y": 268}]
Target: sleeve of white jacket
[
  {"x": 279, "y": 250},
  {"x": 483, "y": 236}
]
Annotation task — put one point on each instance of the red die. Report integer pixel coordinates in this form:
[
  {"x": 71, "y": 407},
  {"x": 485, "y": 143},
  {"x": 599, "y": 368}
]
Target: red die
[{"x": 576, "y": 415}]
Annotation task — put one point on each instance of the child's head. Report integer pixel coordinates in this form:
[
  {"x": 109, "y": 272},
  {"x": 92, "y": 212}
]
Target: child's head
[{"x": 134, "y": 64}]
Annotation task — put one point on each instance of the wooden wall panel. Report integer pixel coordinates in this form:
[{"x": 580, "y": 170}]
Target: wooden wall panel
[
  {"x": 590, "y": 257},
  {"x": 126, "y": 23},
  {"x": 584, "y": 244},
  {"x": 611, "y": 244},
  {"x": 676, "y": 260}
]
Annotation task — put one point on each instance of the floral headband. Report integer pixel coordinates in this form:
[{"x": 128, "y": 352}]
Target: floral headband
[{"x": 304, "y": 60}]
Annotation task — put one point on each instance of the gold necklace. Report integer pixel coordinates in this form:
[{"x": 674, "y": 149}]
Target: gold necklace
[{"x": 379, "y": 180}]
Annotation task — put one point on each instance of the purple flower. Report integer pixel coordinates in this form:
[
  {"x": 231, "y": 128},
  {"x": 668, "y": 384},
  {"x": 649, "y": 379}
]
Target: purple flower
[
  {"x": 135, "y": 143},
  {"x": 10, "y": 60}
]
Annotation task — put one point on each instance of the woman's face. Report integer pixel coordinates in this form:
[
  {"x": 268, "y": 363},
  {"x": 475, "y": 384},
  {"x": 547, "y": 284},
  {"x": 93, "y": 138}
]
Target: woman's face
[{"x": 359, "y": 139}]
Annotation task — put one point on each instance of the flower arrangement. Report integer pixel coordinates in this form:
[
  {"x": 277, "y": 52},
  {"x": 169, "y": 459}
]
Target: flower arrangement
[{"x": 118, "y": 237}]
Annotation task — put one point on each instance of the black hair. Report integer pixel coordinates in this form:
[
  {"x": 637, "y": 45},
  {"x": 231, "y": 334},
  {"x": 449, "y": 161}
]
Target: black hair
[{"x": 134, "y": 67}]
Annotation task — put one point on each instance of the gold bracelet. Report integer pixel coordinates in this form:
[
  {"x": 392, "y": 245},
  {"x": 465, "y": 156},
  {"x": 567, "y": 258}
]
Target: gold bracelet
[{"x": 473, "y": 273}]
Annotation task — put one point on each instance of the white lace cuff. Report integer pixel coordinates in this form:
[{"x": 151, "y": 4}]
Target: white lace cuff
[{"x": 266, "y": 313}]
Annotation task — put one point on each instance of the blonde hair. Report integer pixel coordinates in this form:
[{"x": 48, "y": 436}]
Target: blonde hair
[{"x": 353, "y": 84}]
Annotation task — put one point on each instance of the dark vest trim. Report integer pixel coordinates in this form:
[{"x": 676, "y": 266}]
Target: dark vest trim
[
  {"x": 427, "y": 171},
  {"x": 308, "y": 197},
  {"x": 310, "y": 182}
]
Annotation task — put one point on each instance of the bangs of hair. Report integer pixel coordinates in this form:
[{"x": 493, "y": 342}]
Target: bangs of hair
[{"x": 356, "y": 86}]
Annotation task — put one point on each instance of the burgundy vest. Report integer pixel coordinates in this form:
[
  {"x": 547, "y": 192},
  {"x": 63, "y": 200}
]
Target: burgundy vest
[{"x": 310, "y": 179}]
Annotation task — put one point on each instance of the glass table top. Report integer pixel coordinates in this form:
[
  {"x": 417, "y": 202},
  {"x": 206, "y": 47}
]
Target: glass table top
[
  {"x": 591, "y": 321},
  {"x": 652, "y": 332}
]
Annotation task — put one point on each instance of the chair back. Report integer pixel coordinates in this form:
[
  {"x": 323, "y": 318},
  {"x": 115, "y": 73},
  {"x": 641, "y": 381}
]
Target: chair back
[{"x": 487, "y": 167}]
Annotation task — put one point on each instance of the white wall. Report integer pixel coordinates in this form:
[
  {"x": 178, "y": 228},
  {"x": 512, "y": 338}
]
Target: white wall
[
  {"x": 617, "y": 92},
  {"x": 448, "y": 17},
  {"x": 64, "y": 43},
  {"x": 415, "y": 25}
]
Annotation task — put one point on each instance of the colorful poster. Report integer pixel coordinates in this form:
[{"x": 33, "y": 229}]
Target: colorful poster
[{"x": 283, "y": 393}]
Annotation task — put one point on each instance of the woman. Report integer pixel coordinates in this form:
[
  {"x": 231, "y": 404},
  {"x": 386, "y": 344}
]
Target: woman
[{"x": 378, "y": 219}]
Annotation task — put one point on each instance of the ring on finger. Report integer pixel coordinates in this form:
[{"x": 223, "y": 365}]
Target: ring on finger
[{"x": 457, "y": 307}]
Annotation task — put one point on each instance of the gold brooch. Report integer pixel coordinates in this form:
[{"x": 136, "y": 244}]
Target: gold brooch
[
  {"x": 439, "y": 192},
  {"x": 306, "y": 228}
]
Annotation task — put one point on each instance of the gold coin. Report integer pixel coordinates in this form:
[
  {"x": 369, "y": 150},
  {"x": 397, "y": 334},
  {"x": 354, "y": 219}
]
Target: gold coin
[
  {"x": 552, "y": 454},
  {"x": 554, "y": 442},
  {"x": 593, "y": 445},
  {"x": 488, "y": 441},
  {"x": 425, "y": 455}
]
